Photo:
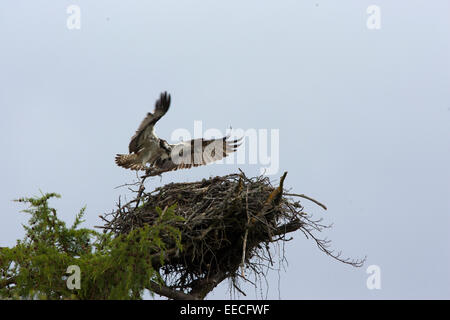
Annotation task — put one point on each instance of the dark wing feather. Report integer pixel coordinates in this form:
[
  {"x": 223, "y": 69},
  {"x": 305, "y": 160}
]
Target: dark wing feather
[{"x": 146, "y": 126}]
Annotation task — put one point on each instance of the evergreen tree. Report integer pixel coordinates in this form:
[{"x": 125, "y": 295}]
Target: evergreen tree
[{"x": 110, "y": 267}]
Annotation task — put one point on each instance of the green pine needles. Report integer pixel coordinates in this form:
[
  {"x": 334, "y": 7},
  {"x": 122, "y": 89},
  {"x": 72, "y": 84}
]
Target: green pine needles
[{"x": 54, "y": 261}]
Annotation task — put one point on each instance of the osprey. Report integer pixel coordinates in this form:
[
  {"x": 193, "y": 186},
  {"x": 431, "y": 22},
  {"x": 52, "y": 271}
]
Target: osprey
[{"x": 145, "y": 147}]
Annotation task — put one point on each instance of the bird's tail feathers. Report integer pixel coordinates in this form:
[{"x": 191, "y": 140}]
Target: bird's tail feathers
[{"x": 129, "y": 161}]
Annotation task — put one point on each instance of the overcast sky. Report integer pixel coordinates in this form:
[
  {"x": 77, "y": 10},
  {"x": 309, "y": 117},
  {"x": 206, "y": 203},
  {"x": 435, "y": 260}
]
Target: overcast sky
[{"x": 363, "y": 118}]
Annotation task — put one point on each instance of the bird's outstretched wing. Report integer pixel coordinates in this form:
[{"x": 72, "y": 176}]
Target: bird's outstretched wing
[
  {"x": 146, "y": 126},
  {"x": 199, "y": 152}
]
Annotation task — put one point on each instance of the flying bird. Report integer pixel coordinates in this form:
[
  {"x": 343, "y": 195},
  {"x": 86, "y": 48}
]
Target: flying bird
[{"x": 146, "y": 148}]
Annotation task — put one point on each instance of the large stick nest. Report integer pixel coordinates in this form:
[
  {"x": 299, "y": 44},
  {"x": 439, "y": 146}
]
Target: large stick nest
[{"x": 229, "y": 224}]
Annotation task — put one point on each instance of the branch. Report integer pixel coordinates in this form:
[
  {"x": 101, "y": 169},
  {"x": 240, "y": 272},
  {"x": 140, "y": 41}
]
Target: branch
[
  {"x": 306, "y": 197},
  {"x": 155, "y": 172},
  {"x": 288, "y": 228},
  {"x": 169, "y": 293},
  {"x": 274, "y": 197},
  {"x": 202, "y": 287}
]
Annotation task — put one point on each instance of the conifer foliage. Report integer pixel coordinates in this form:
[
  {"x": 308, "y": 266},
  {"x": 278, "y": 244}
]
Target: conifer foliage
[{"x": 110, "y": 267}]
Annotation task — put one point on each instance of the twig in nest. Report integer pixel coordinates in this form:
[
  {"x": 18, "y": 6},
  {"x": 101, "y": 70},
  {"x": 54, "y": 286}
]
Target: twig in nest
[
  {"x": 244, "y": 247},
  {"x": 306, "y": 197}
]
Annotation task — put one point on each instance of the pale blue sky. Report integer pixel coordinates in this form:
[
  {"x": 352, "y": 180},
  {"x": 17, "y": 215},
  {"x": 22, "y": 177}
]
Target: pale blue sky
[{"x": 364, "y": 119}]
